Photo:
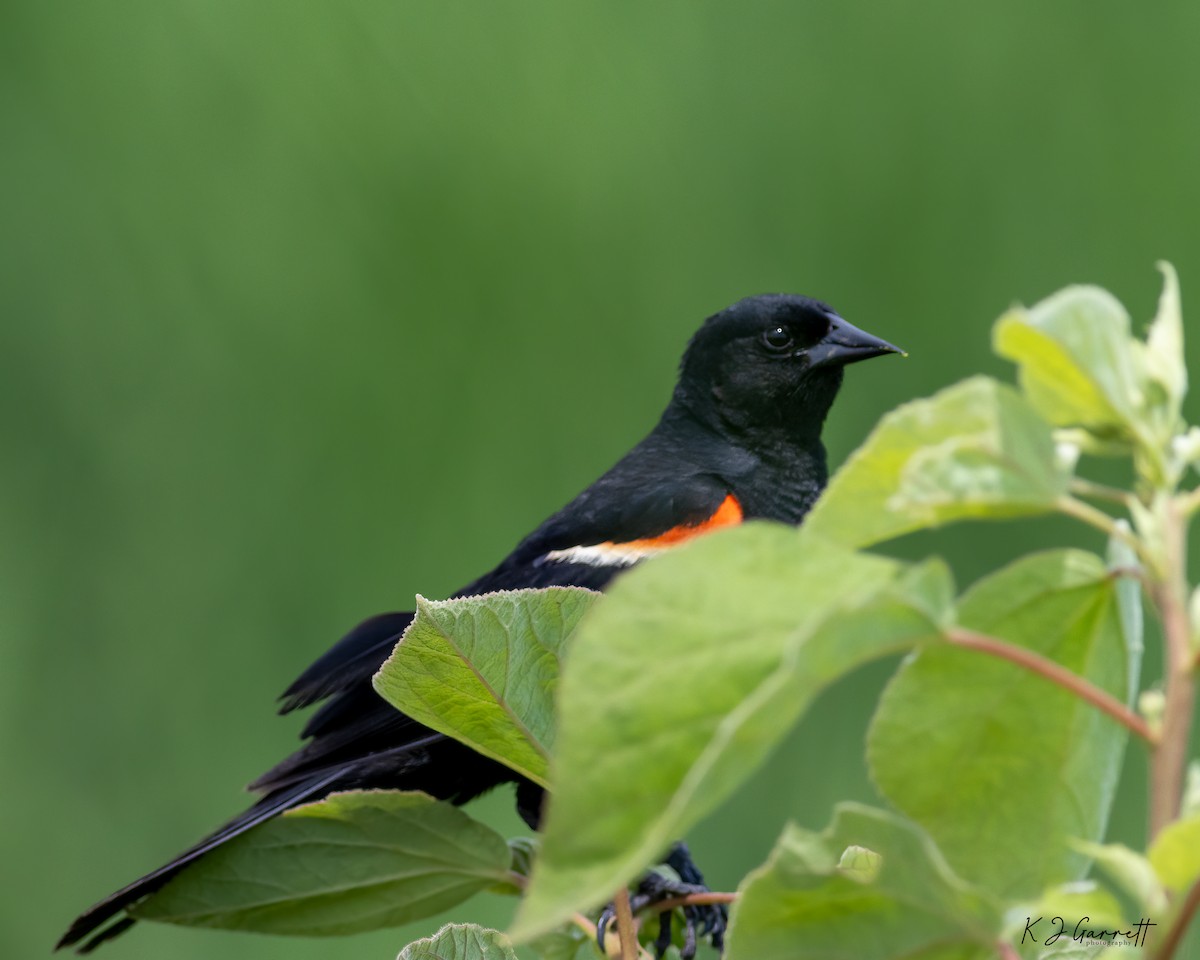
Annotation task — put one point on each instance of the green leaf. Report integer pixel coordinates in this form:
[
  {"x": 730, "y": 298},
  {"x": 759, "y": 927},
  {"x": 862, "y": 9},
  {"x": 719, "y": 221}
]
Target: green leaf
[
  {"x": 1063, "y": 906},
  {"x": 356, "y": 861},
  {"x": 460, "y": 941},
  {"x": 682, "y": 682},
  {"x": 568, "y": 944},
  {"x": 1131, "y": 872},
  {"x": 806, "y": 902},
  {"x": 1175, "y": 853},
  {"x": 483, "y": 670},
  {"x": 523, "y": 851},
  {"x": 1162, "y": 358},
  {"x": 974, "y": 450},
  {"x": 957, "y": 732},
  {"x": 1075, "y": 359}
]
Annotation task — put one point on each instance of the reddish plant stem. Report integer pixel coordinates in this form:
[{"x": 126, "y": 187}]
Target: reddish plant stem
[
  {"x": 1168, "y": 765},
  {"x": 1179, "y": 926},
  {"x": 625, "y": 928},
  {"x": 1056, "y": 674},
  {"x": 693, "y": 900}
]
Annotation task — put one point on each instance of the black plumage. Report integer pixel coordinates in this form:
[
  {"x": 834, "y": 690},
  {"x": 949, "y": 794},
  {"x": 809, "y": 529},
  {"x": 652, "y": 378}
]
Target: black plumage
[{"x": 739, "y": 439}]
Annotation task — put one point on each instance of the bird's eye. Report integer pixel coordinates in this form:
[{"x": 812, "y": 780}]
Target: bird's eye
[{"x": 778, "y": 339}]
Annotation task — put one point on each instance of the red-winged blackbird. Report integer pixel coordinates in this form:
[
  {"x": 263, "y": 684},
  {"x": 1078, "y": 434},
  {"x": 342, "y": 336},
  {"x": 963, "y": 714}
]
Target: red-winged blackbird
[{"x": 740, "y": 439}]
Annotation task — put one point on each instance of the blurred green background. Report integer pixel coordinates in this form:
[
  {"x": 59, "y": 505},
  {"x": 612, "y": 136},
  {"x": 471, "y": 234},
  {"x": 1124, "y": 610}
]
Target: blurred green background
[{"x": 307, "y": 307}]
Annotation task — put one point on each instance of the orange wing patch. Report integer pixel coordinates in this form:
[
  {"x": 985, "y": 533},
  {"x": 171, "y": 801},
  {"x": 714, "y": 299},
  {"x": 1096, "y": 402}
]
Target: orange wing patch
[
  {"x": 728, "y": 514},
  {"x": 610, "y": 554}
]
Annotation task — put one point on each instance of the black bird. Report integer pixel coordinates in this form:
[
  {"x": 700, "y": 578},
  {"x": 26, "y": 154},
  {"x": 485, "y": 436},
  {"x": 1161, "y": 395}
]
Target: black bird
[{"x": 740, "y": 439}]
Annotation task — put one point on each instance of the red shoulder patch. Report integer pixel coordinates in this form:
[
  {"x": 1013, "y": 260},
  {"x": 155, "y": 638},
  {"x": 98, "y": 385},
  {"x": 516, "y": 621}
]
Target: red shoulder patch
[
  {"x": 728, "y": 514},
  {"x": 629, "y": 552}
]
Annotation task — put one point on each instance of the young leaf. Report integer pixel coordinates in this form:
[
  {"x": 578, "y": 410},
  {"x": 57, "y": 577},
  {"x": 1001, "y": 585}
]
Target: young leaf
[
  {"x": 1175, "y": 853},
  {"x": 1131, "y": 872},
  {"x": 957, "y": 732},
  {"x": 483, "y": 670},
  {"x": 356, "y": 861},
  {"x": 1163, "y": 358},
  {"x": 1075, "y": 357},
  {"x": 974, "y": 450},
  {"x": 681, "y": 683},
  {"x": 811, "y": 900},
  {"x": 460, "y": 941}
]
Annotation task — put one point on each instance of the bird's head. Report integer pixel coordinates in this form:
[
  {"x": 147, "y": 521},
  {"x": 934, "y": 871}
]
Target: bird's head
[{"x": 770, "y": 366}]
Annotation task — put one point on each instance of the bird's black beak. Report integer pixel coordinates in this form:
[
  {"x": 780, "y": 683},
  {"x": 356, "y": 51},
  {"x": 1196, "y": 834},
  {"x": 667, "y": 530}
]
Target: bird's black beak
[{"x": 847, "y": 344}]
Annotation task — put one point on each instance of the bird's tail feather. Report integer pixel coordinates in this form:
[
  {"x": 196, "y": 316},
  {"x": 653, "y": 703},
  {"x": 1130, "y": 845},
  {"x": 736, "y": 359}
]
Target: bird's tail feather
[{"x": 87, "y": 924}]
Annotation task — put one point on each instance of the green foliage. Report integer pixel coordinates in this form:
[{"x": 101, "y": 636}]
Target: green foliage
[
  {"x": 1074, "y": 362},
  {"x": 976, "y": 449},
  {"x": 484, "y": 669},
  {"x": 568, "y": 943},
  {"x": 955, "y": 733},
  {"x": 461, "y": 941},
  {"x": 678, "y": 686},
  {"x": 718, "y": 650},
  {"x": 356, "y": 861},
  {"x": 1131, "y": 873},
  {"x": 1175, "y": 854},
  {"x": 810, "y": 902}
]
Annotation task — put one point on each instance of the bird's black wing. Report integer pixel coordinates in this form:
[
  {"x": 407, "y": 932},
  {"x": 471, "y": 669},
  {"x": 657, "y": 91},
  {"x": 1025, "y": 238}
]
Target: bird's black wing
[
  {"x": 359, "y": 653},
  {"x": 355, "y": 725},
  {"x": 636, "y": 509}
]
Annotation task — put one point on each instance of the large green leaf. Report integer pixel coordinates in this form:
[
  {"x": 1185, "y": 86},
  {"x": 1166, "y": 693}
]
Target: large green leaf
[
  {"x": 999, "y": 765},
  {"x": 1076, "y": 360},
  {"x": 483, "y": 670},
  {"x": 460, "y": 941},
  {"x": 870, "y": 887},
  {"x": 681, "y": 683},
  {"x": 976, "y": 449},
  {"x": 356, "y": 861}
]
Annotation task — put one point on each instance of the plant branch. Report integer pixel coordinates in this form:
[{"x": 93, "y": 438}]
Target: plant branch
[
  {"x": 1189, "y": 503},
  {"x": 1056, "y": 674},
  {"x": 1168, "y": 766},
  {"x": 693, "y": 900},
  {"x": 625, "y": 929},
  {"x": 1179, "y": 925},
  {"x": 1099, "y": 491},
  {"x": 1094, "y": 517},
  {"x": 1006, "y": 951}
]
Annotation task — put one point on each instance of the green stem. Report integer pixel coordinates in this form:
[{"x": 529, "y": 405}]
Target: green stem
[
  {"x": 1094, "y": 517},
  {"x": 1057, "y": 674},
  {"x": 1168, "y": 766},
  {"x": 1099, "y": 491}
]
